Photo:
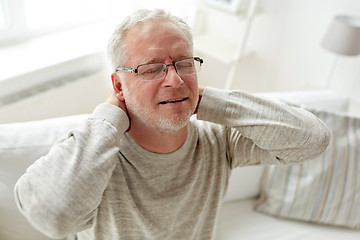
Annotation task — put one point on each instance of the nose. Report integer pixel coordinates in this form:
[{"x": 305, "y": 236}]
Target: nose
[{"x": 172, "y": 78}]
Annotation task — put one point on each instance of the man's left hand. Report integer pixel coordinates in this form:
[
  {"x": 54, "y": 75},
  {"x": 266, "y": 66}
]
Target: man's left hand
[{"x": 201, "y": 90}]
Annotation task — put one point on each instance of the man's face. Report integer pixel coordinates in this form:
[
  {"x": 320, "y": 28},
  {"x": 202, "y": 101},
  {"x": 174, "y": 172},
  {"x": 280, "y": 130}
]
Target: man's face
[{"x": 147, "y": 102}]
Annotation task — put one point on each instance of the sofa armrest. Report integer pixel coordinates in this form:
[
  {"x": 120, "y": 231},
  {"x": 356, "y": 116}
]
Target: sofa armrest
[{"x": 20, "y": 145}]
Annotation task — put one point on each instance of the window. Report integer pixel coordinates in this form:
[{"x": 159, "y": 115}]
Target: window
[
  {"x": 66, "y": 42},
  {"x": 45, "y": 14},
  {"x": 23, "y": 19}
]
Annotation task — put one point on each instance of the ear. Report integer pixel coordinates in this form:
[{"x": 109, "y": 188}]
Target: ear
[{"x": 116, "y": 83}]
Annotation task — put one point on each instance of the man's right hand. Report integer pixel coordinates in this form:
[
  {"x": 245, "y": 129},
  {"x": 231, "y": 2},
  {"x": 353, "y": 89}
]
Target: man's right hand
[{"x": 112, "y": 99}]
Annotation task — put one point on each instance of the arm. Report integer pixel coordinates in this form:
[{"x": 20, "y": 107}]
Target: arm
[
  {"x": 60, "y": 192},
  {"x": 261, "y": 131}
]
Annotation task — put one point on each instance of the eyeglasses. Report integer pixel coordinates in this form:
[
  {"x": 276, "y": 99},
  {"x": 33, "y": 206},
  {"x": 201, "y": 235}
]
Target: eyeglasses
[{"x": 157, "y": 71}]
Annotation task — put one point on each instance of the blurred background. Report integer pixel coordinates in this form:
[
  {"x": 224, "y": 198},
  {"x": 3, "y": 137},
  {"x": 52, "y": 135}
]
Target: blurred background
[{"x": 53, "y": 60}]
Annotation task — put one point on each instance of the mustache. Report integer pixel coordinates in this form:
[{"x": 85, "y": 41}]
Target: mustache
[{"x": 181, "y": 92}]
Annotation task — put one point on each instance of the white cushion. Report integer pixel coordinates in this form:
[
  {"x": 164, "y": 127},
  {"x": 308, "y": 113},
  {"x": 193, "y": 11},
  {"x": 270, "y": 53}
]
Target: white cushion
[
  {"x": 20, "y": 145},
  {"x": 324, "y": 190}
]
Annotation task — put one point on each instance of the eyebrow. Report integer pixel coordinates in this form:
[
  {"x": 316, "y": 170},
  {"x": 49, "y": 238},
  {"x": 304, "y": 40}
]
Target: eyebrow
[
  {"x": 184, "y": 56},
  {"x": 152, "y": 60}
]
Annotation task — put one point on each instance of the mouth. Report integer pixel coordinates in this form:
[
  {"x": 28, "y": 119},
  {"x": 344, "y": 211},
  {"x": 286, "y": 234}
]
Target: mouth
[{"x": 173, "y": 101}]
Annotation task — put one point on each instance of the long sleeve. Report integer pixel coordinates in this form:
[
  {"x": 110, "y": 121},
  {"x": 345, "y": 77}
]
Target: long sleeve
[
  {"x": 261, "y": 131},
  {"x": 59, "y": 194}
]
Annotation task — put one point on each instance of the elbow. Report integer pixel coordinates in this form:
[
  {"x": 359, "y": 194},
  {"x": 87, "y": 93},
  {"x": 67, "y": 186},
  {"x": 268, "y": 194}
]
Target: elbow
[
  {"x": 318, "y": 146},
  {"x": 49, "y": 223},
  {"x": 61, "y": 226},
  {"x": 54, "y": 222},
  {"x": 321, "y": 141},
  {"x": 52, "y": 230},
  {"x": 43, "y": 220},
  {"x": 327, "y": 139},
  {"x": 36, "y": 213},
  {"x": 313, "y": 147},
  {"x": 55, "y": 228},
  {"x": 54, "y": 233}
]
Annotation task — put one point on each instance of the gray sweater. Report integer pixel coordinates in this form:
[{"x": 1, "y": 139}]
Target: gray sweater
[{"x": 98, "y": 182}]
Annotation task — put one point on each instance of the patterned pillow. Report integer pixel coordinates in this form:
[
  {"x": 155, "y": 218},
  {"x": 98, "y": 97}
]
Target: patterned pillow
[{"x": 325, "y": 190}]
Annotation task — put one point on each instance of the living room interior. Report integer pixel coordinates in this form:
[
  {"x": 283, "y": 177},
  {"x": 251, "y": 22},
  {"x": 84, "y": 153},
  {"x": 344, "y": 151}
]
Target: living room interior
[{"x": 282, "y": 49}]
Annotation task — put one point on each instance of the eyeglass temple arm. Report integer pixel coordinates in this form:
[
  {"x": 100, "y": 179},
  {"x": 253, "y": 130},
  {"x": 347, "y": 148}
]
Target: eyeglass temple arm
[
  {"x": 130, "y": 70},
  {"x": 199, "y": 60}
]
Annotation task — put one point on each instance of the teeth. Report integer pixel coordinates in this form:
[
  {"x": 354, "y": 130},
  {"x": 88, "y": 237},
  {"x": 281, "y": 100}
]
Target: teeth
[{"x": 174, "y": 100}]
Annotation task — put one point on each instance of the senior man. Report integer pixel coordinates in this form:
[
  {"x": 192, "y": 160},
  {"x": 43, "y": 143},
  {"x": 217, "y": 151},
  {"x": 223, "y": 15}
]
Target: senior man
[{"x": 141, "y": 167}]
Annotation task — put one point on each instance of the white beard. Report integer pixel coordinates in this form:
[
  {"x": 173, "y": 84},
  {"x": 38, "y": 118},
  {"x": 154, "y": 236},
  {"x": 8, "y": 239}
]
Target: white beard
[
  {"x": 153, "y": 120},
  {"x": 175, "y": 123}
]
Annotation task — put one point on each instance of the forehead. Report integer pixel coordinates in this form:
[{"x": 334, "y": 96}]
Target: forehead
[{"x": 156, "y": 41}]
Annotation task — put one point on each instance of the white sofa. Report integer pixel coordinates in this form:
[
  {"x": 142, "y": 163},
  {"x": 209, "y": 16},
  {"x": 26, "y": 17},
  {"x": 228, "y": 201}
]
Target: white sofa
[{"x": 22, "y": 143}]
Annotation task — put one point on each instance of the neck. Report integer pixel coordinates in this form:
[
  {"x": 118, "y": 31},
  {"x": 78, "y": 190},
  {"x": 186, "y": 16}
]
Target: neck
[{"x": 159, "y": 142}]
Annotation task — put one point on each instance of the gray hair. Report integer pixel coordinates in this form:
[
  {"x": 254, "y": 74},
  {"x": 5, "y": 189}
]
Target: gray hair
[{"x": 116, "y": 46}]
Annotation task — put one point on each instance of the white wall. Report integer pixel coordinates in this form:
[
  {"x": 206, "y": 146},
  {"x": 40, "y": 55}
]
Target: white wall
[{"x": 285, "y": 40}]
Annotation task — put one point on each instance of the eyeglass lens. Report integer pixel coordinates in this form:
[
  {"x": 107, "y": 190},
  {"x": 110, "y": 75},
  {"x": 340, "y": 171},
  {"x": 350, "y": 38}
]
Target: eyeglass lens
[{"x": 157, "y": 71}]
